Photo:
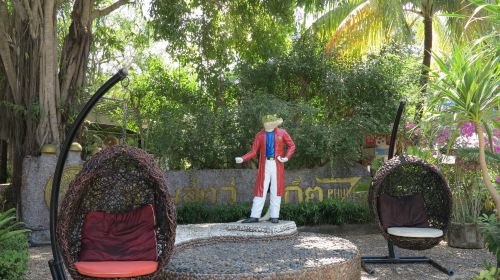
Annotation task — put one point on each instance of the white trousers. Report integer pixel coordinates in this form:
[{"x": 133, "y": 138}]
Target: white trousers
[{"x": 270, "y": 177}]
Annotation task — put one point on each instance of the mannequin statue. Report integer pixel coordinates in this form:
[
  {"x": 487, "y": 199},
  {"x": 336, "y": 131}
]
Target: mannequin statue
[{"x": 270, "y": 144}]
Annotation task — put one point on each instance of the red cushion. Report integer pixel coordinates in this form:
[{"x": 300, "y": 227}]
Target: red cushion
[
  {"x": 116, "y": 269},
  {"x": 405, "y": 211},
  {"x": 119, "y": 237}
]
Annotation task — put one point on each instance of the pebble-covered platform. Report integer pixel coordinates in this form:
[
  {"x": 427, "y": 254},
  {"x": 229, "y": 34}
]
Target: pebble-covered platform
[{"x": 276, "y": 252}]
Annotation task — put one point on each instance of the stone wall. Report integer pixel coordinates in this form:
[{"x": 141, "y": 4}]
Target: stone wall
[
  {"x": 35, "y": 191},
  {"x": 3, "y": 190},
  {"x": 237, "y": 185}
]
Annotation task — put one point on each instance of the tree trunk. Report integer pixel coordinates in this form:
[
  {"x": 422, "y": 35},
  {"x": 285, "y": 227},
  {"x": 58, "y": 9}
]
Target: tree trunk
[
  {"x": 75, "y": 54},
  {"x": 36, "y": 88},
  {"x": 426, "y": 62},
  {"x": 3, "y": 161},
  {"x": 484, "y": 170},
  {"x": 49, "y": 124}
]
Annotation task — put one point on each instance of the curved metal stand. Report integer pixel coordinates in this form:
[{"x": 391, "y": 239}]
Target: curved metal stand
[
  {"x": 56, "y": 264},
  {"x": 392, "y": 258}
]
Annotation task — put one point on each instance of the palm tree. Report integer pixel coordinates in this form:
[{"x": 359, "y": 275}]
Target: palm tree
[
  {"x": 355, "y": 26},
  {"x": 469, "y": 80}
]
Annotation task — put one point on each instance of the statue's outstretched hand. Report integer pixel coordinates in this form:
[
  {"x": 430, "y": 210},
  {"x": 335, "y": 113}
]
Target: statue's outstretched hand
[
  {"x": 238, "y": 159},
  {"x": 282, "y": 159}
]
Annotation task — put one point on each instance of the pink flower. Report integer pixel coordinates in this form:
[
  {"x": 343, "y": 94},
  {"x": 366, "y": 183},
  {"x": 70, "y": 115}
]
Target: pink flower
[
  {"x": 442, "y": 140},
  {"x": 409, "y": 125},
  {"x": 445, "y": 133},
  {"x": 467, "y": 129}
]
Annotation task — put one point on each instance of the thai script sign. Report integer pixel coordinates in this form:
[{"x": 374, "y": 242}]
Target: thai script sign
[{"x": 236, "y": 185}]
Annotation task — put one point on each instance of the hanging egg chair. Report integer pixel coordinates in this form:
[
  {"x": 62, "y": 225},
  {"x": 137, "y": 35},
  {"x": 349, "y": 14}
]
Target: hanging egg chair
[
  {"x": 411, "y": 204},
  {"x": 420, "y": 186},
  {"x": 124, "y": 181},
  {"x": 117, "y": 219}
]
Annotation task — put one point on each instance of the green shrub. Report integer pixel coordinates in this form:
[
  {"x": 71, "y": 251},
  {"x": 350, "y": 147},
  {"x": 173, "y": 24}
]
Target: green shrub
[
  {"x": 8, "y": 225},
  {"x": 14, "y": 257},
  {"x": 329, "y": 211},
  {"x": 490, "y": 229},
  {"x": 13, "y": 246},
  {"x": 195, "y": 213},
  {"x": 490, "y": 273}
]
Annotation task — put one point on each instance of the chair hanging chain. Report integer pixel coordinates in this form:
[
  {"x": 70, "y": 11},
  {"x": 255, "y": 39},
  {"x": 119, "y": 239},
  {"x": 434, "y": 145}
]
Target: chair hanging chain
[
  {"x": 401, "y": 134},
  {"x": 402, "y": 143},
  {"x": 125, "y": 83}
]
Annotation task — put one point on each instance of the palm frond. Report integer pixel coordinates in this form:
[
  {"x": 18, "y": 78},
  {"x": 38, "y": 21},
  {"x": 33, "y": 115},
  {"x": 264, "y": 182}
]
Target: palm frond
[
  {"x": 485, "y": 12},
  {"x": 326, "y": 25},
  {"x": 368, "y": 26},
  {"x": 443, "y": 39},
  {"x": 469, "y": 78}
]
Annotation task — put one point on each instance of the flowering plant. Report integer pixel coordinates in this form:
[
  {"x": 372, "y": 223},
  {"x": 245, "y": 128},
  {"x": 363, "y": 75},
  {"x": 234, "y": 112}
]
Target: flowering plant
[{"x": 468, "y": 95}]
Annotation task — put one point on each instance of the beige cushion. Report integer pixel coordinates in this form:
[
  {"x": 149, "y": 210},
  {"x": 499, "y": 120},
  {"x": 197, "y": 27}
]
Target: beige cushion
[{"x": 415, "y": 232}]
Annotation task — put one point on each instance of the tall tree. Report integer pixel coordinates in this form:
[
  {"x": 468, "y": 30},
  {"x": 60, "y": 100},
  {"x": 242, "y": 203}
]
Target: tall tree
[
  {"x": 355, "y": 26},
  {"x": 212, "y": 36},
  {"x": 40, "y": 82}
]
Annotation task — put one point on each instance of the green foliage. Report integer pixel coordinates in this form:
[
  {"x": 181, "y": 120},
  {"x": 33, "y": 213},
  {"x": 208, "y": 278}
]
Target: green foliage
[
  {"x": 210, "y": 37},
  {"x": 253, "y": 30},
  {"x": 425, "y": 154},
  {"x": 467, "y": 90},
  {"x": 350, "y": 99},
  {"x": 356, "y": 27},
  {"x": 205, "y": 109},
  {"x": 329, "y": 211},
  {"x": 335, "y": 212},
  {"x": 491, "y": 13},
  {"x": 490, "y": 229},
  {"x": 468, "y": 196},
  {"x": 376, "y": 164},
  {"x": 467, "y": 83},
  {"x": 327, "y": 107},
  {"x": 491, "y": 273},
  {"x": 8, "y": 225},
  {"x": 472, "y": 155},
  {"x": 300, "y": 120},
  {"x": 364, "y": 185},
  {"x": 195, "y": 213},
  {"x": 14, "y": 257}
]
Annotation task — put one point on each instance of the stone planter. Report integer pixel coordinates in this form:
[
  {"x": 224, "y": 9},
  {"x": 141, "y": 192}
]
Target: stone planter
[{"x": 465, "y": 235}]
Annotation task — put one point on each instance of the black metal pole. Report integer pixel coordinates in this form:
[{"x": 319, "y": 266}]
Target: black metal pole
[
  {"x": 392, "y": 146},
  {"x": 56, "y": 265},
  {"x": 395, "y": 127}
]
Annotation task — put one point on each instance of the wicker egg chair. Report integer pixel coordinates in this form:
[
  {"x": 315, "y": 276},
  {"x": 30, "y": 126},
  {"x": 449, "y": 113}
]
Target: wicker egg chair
[
  {"x": 408, "y": 175},
  {"x": 113, "y": 186},
  {"x": 116, "y": 180},
  {"x": 402, "y": 179}
]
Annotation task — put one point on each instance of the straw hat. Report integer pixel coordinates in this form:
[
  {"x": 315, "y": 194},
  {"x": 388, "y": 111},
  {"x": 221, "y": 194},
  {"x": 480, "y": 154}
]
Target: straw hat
[{"x": 272, "y": 121}]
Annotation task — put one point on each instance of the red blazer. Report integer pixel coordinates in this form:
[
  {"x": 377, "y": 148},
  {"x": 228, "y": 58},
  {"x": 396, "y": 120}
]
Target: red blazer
[{"x": 281, "y": 138}]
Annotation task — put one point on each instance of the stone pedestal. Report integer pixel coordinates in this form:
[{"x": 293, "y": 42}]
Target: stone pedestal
[
  {"x": 264, "y": 227},
  {"x": 302, "y": 256},
  {"x": 37, "y": 180}
]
